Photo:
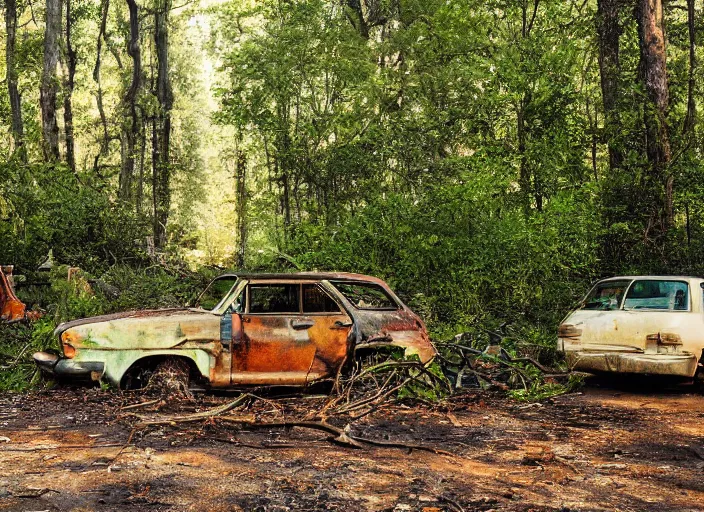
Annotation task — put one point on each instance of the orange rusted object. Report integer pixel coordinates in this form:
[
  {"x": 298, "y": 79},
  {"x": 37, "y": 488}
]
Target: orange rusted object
[
  {"x": 254, "y": 329},
  {"x": 12, "y": 309}
]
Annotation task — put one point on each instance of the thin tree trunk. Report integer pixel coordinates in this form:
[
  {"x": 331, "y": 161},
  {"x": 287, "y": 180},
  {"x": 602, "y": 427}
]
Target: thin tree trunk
[
  {"x": 609, "y": 31},
  {"x": 651, "y": 33},
  {"x": 143, "y": 149},
  {"x": 524, "y": 178},
  {"x": 359, "y": 23},
  {"x": 12, "y": 89},
  {"x": 164, "y": 94},
  {"x": 524, "y": 171},
  {"x": 131, "y": 134},
  {"x": 690, "y": 119},
  {"x": 104, "y": 8},
  {"x": 71, "y": 59},
  {"x": 49, "y": 86},
  {"x": 241, "y": 207}
]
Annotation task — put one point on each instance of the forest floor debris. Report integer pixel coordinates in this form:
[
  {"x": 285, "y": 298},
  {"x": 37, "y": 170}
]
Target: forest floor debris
[{"x": 603, "y": 448}]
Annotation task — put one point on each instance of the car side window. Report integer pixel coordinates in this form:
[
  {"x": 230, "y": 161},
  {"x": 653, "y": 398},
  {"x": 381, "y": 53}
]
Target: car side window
[
  {"x": 315, "y": 300},
  {"x": 274, "y": 298},
  {"x": 365, "y": 295},
  {"x": 661, "y": 295}
]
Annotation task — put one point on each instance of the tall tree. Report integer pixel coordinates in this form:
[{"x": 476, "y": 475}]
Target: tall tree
[
  {"x": 49, "y": 85},
  {"x": 12, "y": 89},
  {"x": 528, "y": 16},
  {"x": 71, "y": 60},
  {"x": 241, "y": 188},
  {"x": 105, "y": 140},
  {"x": 161, "y": 137},
  {"x": 131, "y": 132},
  {"x": 609, "y": 32},
  {"x": 653, "y": 69},
  {"x": 691, "y": 116}
]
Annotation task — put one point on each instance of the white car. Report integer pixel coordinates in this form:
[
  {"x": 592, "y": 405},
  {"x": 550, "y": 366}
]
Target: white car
[{"x": 637, "y": 324}]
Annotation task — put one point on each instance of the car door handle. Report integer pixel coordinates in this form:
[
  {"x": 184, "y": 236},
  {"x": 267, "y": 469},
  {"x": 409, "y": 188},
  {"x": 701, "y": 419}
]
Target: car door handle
[
  {"x": 299, "y": 325},
  {"x": 341, "y": 325}
]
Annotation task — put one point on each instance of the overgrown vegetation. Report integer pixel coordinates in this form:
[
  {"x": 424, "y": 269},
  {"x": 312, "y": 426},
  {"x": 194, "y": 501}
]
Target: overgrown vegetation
[{"x": 488, "y": 159}]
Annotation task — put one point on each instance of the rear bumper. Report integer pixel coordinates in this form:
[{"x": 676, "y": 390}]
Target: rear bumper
[
  {"x": 60, "y": 366},
  {"x": 684, "y": 365}
]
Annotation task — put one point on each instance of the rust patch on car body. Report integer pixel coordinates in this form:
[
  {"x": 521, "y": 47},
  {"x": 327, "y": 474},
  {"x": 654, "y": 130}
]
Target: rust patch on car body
[{"x": 12, "y": 309}]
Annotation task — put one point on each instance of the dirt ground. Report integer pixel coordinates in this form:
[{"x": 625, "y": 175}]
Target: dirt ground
[{"x": 604, "y": 448}]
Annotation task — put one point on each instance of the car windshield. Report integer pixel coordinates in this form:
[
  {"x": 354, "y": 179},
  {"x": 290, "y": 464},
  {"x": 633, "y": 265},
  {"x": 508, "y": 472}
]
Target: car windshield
[
  {"x": 651, "y": 294},
  {"x": 216, "y": 291},
  {"x": 606, "y": 296}
]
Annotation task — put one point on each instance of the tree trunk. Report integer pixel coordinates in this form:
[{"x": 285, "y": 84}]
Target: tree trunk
[
  {"x": 609, "y": 31},
  {"x": 104, "y": 9},
  {"x": 12, "y": 90},
  {"x": 49, "y": 86},
  {"x": 690, "y": 119},
  {"x": 523, "y": 172},
  {"x": 651, "y": 34},
  {"x": 131, "y": 132},
  {"x": 162, "y": 137},
  {"x": 241, "y": 208},
  {"x": 525, "y": 176},
  {"x": 359, "y": 23},
  {"x": 71, "y": 59}
]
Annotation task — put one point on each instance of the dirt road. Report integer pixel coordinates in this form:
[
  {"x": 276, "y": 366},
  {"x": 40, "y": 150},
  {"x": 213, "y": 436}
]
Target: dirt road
[{"x": 601, "y": 449}]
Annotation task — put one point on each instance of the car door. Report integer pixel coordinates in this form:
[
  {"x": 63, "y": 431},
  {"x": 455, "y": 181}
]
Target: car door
[
  {"x": 282, "y": 342},
  {"x": 598, "y": 325}
]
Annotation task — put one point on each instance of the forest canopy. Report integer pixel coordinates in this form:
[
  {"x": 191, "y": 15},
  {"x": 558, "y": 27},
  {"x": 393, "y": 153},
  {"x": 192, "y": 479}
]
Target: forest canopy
[{"x": 487, "y": 158}]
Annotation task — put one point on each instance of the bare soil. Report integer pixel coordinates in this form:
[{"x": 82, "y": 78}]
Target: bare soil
[{"x": 604, "y": 448}]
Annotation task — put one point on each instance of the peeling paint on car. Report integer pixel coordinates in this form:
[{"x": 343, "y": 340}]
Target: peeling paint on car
[{"x": 260, "y": 347}]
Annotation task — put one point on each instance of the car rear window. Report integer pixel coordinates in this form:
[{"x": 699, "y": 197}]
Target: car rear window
[
  {"x": 664, "y": 295},
  {"x": 365, "y": 295},
  {"x": 606, "y": 296}
]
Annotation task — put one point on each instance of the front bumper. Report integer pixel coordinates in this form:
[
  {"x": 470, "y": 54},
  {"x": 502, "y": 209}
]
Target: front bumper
[
  {"x": 60, "y": 366},
  {"x": 684, "y": 365}
]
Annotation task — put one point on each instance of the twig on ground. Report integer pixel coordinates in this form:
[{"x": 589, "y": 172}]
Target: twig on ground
[{"x": 141, "y": 404}]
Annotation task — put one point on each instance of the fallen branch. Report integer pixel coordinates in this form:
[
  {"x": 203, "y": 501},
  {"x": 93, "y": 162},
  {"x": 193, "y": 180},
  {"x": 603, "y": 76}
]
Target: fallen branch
[
  {"x": 62, "y": 447},
  {"x": 215, "y": 411},
  {"x": 141, "y": 404},
  {"x": 341, "y": 436}
]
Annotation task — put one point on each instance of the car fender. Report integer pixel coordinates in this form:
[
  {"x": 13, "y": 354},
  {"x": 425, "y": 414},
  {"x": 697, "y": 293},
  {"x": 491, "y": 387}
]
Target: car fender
[{"x": 117, "y": 362}]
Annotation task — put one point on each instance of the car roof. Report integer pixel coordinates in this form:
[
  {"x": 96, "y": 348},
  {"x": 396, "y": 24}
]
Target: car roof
[
  {"x": 654, "y": 278},
  {"x": 335, "y": 276}
]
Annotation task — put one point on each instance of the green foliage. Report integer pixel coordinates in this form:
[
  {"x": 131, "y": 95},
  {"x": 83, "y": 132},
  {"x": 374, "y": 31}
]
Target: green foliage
[
  {"x": 541, "y": 390},
  {"x": 121, "y": 288},
  {"x": 457, "y": 149}
]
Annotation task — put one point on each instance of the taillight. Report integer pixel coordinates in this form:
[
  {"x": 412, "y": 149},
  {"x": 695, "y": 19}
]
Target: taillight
[
  {"x": 664, "y": 338},
  {"x": 568, "y": 331}
]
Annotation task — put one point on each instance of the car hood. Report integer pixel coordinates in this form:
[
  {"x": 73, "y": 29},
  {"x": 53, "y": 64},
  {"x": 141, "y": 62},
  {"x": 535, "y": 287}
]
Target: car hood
[{"x": 145, "y": 313}]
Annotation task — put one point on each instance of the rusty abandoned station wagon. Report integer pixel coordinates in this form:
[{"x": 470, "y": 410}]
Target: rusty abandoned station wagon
[
  {"x": 637, "y": 324},
  {"x": 253, "y": 329}
]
